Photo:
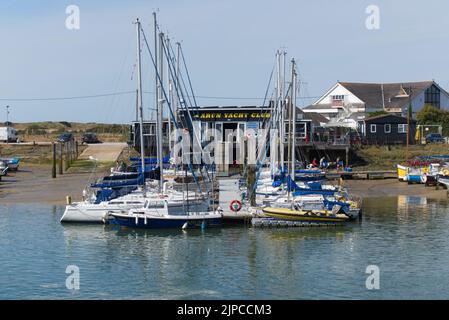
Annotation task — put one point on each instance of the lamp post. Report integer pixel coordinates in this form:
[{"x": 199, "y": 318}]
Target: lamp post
[{"x": 7, "y": 116}]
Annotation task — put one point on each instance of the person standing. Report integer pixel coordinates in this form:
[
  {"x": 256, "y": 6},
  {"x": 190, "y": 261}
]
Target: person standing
[{"x": 322, "y": 162}]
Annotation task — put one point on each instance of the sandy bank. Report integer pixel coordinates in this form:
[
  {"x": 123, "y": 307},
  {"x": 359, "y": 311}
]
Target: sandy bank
[
  {"x": 33, "y": 184},
  {"x": 391, "y": 188}
]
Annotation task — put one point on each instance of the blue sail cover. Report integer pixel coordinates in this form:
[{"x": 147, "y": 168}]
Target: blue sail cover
[
  {"x": 308, "y": 171},
  {"x": 303, "y": 192},
  {"x": 119, "y": 183},
  {"x": 149, "y": 174},
  {"x": 309, "y": 175},
  {"x": 277, "y": 183},
  {"x": 152, "y": 160},
  {"x": 314, "y": 185},
  {"x": 291, "y": 185},
  {"x": 312, "y": 188},
  {"x": 330, "y": 204}
]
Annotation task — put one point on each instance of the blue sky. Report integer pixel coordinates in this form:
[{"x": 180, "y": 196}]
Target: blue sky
[{"x": 229, "y": 46}]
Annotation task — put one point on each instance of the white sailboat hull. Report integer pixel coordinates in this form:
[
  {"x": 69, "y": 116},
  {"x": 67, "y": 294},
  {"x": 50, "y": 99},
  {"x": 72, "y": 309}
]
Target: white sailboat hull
[{"x": 99, "y": 213}]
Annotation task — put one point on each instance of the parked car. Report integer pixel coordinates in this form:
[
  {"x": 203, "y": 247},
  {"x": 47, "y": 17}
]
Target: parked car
[
  {"x": 11, "y": 163},
  {"x": 90, "y": 137},
  {"x": 3, "y": 168},
  {"x": 65, "y": 137},
  {"x": 434, "y": 138}
]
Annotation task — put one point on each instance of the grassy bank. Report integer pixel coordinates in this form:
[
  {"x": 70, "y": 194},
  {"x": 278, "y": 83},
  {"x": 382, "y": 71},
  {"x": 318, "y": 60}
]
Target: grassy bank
[
  {"x": 386, "y": 158},
  {"x": 49, "y": 130},
  {"x": 32, "y": 154}
]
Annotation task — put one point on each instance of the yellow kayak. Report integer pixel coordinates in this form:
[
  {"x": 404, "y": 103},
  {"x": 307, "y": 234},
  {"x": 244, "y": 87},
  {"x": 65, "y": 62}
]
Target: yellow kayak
[{"x": 305, "y": 215}]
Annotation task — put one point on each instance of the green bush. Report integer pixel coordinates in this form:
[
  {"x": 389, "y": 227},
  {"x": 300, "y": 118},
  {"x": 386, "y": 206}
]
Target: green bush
[{"x": 430, "y": 115}]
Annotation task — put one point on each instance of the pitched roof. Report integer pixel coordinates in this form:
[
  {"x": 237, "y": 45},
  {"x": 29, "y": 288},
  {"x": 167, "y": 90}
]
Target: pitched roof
[
  {"x": 387, "y": 115},
  {"x": 316, "y": 118},
  {"x": 329, "y": 106},
  {"x": 396, "y": 95}
]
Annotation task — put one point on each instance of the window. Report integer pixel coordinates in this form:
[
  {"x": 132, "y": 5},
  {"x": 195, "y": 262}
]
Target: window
[
  {"x": 387, "y": 128},
  {"x": 402, "y": 128},
  {"x": 155, "y": 205},
  {"x": 432, "y": 96},
  {"x": 373, "y": 128},
  {"x": 338, "y": 97},
  {"x": 362, "y": 128}
]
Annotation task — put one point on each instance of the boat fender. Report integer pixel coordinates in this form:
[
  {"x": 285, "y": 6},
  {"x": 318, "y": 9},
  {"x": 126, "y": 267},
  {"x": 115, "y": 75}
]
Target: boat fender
[
  {"x": 105, "y": 217},
  {"x": 235, "y": 205}
]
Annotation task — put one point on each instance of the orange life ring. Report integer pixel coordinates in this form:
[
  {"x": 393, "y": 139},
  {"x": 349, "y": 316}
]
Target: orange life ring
[{"x": 235, "y": 205}]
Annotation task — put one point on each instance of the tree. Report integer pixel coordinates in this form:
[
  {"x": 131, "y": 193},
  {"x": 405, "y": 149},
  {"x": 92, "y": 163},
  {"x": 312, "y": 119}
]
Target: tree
[{"x": 431, "y": 115}]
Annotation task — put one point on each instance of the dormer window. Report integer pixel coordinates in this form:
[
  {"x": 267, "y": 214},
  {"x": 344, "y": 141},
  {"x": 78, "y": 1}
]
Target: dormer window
[
  {"x": 337, "y": 100},
  {"x": 338, "y": 97}
]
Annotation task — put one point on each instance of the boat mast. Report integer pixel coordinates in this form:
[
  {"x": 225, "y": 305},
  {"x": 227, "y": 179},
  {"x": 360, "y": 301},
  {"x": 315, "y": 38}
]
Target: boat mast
[
  {"x": 281, "y": 111},
  {"x": 278, "y": 109},
  {"x": 158, "y": 96},
  {"x": 293, "y": 117},
  {"x": 170, "y": 96},
  {"x": 176, "y": 99},
  {"x": 275, "y": 125},
  {"x": 160, "y": 110},
  {"x": 139, "y": 101}
]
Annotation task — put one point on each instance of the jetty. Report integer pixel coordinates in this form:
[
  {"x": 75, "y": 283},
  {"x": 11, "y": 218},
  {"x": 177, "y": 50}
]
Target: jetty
[
  {"x": 229, "y": 188},
  {"x": 363, "y": 174}
]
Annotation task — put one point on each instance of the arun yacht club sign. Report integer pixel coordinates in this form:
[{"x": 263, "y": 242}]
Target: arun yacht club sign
[{"x": 226, "y": 115}]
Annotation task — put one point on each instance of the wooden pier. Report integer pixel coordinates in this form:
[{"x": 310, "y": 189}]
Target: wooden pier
[{"x": 368, "y": 175}]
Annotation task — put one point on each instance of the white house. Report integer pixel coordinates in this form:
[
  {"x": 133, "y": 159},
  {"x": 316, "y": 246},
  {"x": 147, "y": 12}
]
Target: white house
[{"x": 360, "y": 99}]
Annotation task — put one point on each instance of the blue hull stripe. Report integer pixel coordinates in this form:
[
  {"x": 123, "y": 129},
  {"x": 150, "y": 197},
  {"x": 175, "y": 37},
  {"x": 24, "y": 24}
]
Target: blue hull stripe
[{"x": 164, "y": 223}]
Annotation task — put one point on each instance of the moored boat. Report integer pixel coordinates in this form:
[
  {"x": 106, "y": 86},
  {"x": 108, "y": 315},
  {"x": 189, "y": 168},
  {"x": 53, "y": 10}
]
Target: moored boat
[
  {"x": 298, "y": 214},
  {"x": 157, "y": 215},
  {"x": 402, "y": 172}
]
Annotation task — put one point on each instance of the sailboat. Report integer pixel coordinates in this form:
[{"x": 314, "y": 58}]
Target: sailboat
[
  {"x": 130, "y": 193},
  {"x": 157, "y": 214},
  {"x": 309, "y": 201},
  {"x": 161, "y": 213}
]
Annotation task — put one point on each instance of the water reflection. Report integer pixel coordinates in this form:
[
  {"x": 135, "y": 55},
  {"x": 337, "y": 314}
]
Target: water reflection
[{"x": 408, "y": 238}]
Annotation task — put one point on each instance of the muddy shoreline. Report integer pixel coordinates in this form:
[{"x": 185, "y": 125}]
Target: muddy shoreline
[
  {"x": 33, "y": 184},
  {"x": 392, "y": 188}
]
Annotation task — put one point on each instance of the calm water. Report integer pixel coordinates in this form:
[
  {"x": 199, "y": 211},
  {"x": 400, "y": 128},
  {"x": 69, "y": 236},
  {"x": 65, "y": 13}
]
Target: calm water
[{"x": 408, "y": 238}]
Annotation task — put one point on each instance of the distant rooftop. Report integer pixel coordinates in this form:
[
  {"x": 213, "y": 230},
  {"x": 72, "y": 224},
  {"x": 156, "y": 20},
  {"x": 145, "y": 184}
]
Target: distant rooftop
[{"x": 395, "y": 95}]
